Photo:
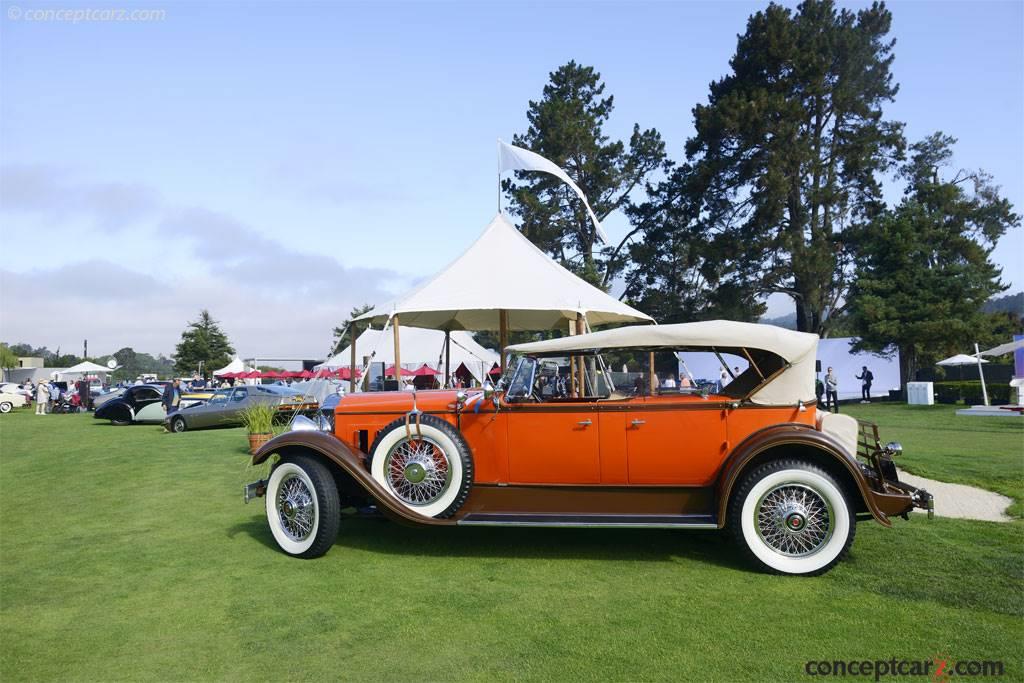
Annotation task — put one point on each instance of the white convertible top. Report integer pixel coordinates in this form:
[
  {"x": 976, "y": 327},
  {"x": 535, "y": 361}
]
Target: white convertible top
[{"x": 798, "y": 349}]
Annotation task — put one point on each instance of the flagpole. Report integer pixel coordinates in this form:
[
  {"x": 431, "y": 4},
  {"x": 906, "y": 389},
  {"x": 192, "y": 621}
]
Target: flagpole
[{"x": 499, "y": 176}]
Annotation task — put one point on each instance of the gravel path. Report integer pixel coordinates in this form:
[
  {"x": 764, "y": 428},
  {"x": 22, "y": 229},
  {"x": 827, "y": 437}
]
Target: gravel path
[{"x": 960, "y": 501}]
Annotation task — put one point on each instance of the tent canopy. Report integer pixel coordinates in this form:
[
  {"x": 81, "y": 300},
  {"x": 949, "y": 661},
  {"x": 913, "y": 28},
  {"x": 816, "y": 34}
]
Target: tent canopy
[
  {"x": 1003, "y": 348},
  {"x": 84, "y": 368},
  {"x": 419, "y": 347},
  {"x": 504, "y": 271},
  {"x": 961, "y": 359},
  {"x": 236, "y": 366}
]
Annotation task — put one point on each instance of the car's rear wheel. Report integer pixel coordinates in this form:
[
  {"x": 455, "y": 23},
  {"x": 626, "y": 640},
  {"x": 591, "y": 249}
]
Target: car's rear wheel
[
  {"x": 428, "y": 468},
  {"x": 792, "y": 518},
  {"x": 6, "y": 406},
  {"x": 303, "y": 509},
  {"x": 178, "y": 425}
]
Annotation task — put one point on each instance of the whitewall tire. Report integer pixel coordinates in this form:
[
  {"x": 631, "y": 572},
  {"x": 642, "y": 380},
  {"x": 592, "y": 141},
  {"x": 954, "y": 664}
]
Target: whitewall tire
[
  {"x": 303, "y": 509},
  {"x": 6, "y": 406},
  {"x": 430, "y": 473},
  {"x": 792, "y": 518}
]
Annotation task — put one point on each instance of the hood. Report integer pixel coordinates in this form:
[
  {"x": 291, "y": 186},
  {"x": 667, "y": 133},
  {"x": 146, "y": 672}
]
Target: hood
[{"x": 433, "y": 400}]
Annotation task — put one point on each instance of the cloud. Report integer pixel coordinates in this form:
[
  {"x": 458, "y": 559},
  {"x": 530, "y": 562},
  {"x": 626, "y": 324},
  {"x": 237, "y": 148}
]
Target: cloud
[
  {"x": 56, "y": 194},
  {"x": 274, "y": 297}
]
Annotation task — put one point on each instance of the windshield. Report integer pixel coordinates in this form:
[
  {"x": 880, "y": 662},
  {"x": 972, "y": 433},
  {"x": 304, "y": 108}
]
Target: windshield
[
  {"x": 521, "y": 383},
  {"x": 221, "y": 396}
]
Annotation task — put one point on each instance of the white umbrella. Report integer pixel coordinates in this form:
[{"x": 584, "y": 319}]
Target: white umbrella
[{"x": 963, "y": 359}]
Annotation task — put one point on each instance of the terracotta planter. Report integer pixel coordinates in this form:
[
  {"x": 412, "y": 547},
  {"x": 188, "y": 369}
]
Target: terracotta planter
[{"x": 257, "y": 440}]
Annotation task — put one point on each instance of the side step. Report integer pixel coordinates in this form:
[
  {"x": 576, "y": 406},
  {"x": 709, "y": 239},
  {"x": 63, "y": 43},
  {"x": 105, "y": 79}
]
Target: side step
[{"x": 590, "y": 521}]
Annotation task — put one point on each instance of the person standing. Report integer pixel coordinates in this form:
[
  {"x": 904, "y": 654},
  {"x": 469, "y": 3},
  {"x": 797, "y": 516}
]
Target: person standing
[
  {"x": 172, "y": 396},
  {"x": 42, "y": 396},
  {"x": 865, "y": 378},
  {"x": 832, "y": 391}
]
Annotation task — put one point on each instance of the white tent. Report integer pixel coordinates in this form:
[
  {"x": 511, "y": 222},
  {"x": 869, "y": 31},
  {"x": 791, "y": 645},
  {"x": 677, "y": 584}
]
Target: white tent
[
  {"x": 83, "y": 368},
  {"x": 504, "y": 273},
  {"x": 419, "y": 346},
  {"x": 235, "y": 366}
]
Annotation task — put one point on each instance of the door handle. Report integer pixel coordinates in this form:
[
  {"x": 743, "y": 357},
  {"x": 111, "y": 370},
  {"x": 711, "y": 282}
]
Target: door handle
[
  {"x": 637, "y": 423},
  {"x": 584, "y": 423}
]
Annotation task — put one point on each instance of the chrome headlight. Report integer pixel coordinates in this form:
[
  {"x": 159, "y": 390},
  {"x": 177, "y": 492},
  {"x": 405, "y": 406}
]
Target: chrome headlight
[{"x": 893, "y": 448}]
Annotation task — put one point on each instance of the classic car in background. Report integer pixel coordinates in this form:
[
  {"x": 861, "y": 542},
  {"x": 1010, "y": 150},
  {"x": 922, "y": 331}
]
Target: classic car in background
[
  {"x": 9, "y": 400},
  {"x": 758, "y": 457},
  {"x": 140, "y": 403},
  {"x": 225, "y": 406},
  {"x": 99, "y": 400}
]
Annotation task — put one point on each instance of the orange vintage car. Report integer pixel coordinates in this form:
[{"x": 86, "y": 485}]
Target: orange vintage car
[{"x": 555, "y": 445}]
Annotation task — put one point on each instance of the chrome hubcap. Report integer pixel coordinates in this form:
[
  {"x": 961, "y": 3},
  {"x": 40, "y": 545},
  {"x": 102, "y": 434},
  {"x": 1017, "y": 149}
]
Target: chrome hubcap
[
  {"x": 295, "y": 508},
  {"x": 417, "y": 471},
  {"x": 794, "y": 520}
]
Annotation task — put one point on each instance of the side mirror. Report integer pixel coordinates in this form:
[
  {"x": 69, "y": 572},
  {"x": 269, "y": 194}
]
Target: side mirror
[{"x": 893, "y": 448}]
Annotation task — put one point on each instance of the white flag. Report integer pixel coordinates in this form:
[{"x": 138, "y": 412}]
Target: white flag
[{"x": 512, "y": 158}]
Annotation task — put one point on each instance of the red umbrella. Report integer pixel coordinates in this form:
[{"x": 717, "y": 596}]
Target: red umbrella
[
  {"x": 496, "y": 370},
  {"x": 305, "y": 374},
  {"x": 405, "y": 373},
  {"x": 425, "y": 371},
  {"x": 272, "y": 374},
  {"x": 228, "y": 375},
  {"x": 252, "y": 374}
]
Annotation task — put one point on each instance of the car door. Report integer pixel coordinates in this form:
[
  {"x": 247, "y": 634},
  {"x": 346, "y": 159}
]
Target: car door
[
  {"x": 549, "y": 442},
  {"x": 239, "y": 401},
  {"x": 208, "y": 414},
  {"x": 674, "y": 441},
  {"x": 147, "y": 404}
]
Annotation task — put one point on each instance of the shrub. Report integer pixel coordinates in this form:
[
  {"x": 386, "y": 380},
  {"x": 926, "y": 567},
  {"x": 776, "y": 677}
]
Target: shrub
[{"x": 259, "y": 418}]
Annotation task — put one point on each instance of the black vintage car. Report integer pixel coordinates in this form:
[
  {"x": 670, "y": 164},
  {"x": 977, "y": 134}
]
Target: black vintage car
[{"x": 140, "y": 403}]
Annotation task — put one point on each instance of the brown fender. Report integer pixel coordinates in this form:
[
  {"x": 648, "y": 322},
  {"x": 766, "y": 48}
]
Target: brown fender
[
  {"x": 350, "y": 461},
  {"x": 880, "y": 505}
]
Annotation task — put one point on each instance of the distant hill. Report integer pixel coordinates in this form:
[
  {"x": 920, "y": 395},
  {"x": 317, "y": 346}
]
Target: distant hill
[
  {"x": 1011, "y": 303},
  {"x": 787, "y": 321}
]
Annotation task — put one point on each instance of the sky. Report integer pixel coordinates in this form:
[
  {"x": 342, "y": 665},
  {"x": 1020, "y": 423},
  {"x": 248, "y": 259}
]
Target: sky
[{"x": 280, "y": 163}]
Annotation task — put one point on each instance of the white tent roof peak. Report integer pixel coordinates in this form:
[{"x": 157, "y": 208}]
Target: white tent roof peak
[
  {"x": 236, "y": 365},
  {"x": 84, "y": 367},
  {"x": 503, "y": 270}
]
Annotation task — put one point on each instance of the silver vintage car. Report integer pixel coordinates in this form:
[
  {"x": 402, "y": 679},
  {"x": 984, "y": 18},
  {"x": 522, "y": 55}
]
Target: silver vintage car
[{"x": 225, "y": 407}]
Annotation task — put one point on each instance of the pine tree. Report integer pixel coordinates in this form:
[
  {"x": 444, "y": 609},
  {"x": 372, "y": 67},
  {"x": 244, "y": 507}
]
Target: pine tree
[
  {"x": 567, "y": 127},
  {"x": 202, "y": 344},
  {"x": 925, "y": 269}
]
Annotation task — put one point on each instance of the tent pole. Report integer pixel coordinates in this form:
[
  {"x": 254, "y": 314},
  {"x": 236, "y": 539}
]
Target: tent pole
[
  {"x": 447, "y": 359},
  {"x": 502, "y": 337},
  {"x": 981, "y": 373},
  {"x": 582, "y": 372},
  {"x": 398, "y": 357},
  {"x": 654, "y": 377},
  {"x": 352, "y": 361}
]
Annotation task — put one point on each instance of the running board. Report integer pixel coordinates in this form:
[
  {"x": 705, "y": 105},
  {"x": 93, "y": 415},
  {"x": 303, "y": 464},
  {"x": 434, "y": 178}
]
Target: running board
[{"x": 591, "y": 521}]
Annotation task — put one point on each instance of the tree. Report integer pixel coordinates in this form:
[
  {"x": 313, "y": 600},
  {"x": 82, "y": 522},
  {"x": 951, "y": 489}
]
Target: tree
[
  {"x": 204, "y": 345},
  {"x": 567, "y": 127},
  {"x": 343, "y": 335},
  {"x": 678, "y": 271},
  {"x": 788, "y": 148},
  {"x": 924, "y": 272},
  {"x": 8, "y": 359}
]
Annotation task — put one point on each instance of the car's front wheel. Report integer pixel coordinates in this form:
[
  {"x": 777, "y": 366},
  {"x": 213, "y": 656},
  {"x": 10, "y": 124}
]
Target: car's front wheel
[
  {"x": 792, "y": 518},
  {"x": 303, "y": 508},
  {"x": 6, "y": 406},
  {"x": 178, "y": 425}
]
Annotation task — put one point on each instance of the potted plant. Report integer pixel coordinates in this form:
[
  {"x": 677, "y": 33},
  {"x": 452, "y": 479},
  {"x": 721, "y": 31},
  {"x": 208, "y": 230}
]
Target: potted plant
[{"x": 259, "y": 422}]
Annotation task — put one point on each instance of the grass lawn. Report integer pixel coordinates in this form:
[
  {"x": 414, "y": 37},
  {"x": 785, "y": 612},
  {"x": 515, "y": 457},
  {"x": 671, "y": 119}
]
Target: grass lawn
[{"x": 126, "y": 553}]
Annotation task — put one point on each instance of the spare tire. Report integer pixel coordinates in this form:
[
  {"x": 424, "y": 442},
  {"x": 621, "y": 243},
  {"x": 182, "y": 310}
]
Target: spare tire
[{"x": 428, "y": 469}]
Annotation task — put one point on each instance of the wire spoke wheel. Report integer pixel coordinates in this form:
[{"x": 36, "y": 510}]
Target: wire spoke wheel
[
  {"x": 794, "y": 520},
  {"x": 417, "y": 471},
  {"x": 295, "y": 508}
]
